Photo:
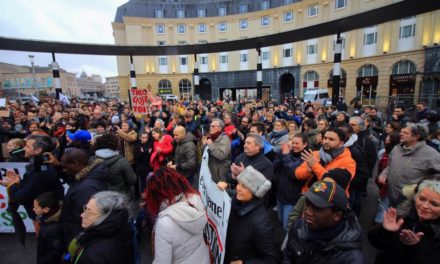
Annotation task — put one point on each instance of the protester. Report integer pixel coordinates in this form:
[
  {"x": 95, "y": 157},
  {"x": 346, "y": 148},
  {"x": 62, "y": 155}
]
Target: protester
[
  {"x": 180, "y": 219},
  {"x": 185, "y": 160},
  {"x": 250, "y": 235},
  {"x": 162, "y": 148},
  {"x": 328, "y": 232},
  {"x": 411, "y": 234},
  {"x": 106, "y": 234}
]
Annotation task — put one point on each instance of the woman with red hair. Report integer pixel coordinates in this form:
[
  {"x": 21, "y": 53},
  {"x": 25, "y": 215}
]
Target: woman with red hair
[
  {"x": 163, "y": 146},
  {"x": 180, "y": 218}
]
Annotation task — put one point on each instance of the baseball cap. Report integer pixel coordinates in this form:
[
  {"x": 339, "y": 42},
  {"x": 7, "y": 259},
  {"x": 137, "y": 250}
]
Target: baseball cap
[{"x": 327, "y": 193}]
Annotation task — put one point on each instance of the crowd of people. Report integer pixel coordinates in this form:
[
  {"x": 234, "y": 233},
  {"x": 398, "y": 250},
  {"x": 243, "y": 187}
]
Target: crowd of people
[{"x": 97, "y": 174}]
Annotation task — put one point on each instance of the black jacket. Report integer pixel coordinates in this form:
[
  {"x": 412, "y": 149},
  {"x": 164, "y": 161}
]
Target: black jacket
[
  {"x": 427, "y": 251},
  {"x": 35, "y": 182},
  {"x": 338, "y": 245},
  {"x": 288, "y": 188},
  {"x": 185, "y": 156},
  {"x": 17, "y": 155},
  {"x": 368, "y": 146},
  {"x": 142, "y": 159},
  {"x": 107, "y": 243},
  {"x": 50, "y": 245},
  {"x": 250, "y": 235},
  {"x": 88, "y": 181}
]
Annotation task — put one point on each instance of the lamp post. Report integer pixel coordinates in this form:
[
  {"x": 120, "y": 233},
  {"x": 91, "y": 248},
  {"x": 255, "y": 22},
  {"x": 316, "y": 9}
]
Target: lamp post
[{"x": 31, "y": 58}]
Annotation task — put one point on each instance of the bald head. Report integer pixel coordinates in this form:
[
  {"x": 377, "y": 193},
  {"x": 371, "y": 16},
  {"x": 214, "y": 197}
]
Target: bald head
[{"x": 179, "y": 133}]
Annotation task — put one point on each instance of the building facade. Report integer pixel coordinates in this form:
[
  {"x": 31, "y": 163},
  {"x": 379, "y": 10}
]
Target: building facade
[
  {"x": 90, "y": 86},
  {"x": 17, "y": 81},
  {"x": 111, "y": 87},
  {"x": 380, "y": 61}
]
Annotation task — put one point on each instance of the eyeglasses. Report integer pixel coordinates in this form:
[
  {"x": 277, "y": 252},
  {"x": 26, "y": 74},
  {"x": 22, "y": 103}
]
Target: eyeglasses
[
  {"x": 87, "y": 212},
  {"x": 213, "y": 126}
]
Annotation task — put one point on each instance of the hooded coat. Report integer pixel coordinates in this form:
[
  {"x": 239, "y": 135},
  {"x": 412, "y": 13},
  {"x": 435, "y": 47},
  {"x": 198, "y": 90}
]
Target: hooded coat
[
  {"x": 50, "y": 245},
  {"x": 179, "y": 233},
  {"x": 88, "y": 181},
  {"x": 121, "y": 176}
]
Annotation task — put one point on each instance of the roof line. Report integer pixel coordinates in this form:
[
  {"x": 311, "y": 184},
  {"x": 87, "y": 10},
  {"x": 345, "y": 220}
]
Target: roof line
[{"x": 387, "y": 13}]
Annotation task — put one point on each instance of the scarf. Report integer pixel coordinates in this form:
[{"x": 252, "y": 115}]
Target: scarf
[
  {"x": 327, "y": 156},
  {"x": 215, "y": 136}
]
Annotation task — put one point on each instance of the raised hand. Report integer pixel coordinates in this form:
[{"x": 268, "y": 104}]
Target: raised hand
[{"x": 390, "y": 221}]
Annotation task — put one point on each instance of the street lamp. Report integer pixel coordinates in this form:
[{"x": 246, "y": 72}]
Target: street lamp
[{"x": 31, "y": 58}]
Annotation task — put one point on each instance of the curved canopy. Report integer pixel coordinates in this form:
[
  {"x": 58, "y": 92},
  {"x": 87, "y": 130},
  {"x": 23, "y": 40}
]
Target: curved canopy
[{"x": 390, "y": 12}]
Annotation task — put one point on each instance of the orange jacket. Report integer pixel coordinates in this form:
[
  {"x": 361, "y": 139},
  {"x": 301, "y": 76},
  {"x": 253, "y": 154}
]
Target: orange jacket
[{"x": 343, "y": 161}]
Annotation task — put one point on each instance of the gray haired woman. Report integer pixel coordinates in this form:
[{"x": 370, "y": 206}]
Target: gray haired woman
[{"x": 106, "y": 237}]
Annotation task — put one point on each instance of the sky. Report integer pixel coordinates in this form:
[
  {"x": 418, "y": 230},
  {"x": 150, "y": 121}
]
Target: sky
[{"x": 82, "y": 21}]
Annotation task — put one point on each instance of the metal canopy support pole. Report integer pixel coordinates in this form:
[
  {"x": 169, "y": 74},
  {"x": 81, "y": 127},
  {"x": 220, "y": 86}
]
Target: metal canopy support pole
[
  {"x": 56, "y": 76},
  {"x": 259, "y": 76},
  {"x": 132, "y": 74},
  {"x": 196, "y": 75},
  {"x": 337, "y": 70}
]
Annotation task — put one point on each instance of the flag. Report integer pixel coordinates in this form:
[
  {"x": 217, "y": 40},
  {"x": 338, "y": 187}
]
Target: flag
[
  {"x": 34, "y": 99},
  {"x": 64, "y": 99}
]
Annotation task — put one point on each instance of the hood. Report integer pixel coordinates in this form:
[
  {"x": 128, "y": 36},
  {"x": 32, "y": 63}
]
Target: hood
[
  {"x": 189, "y": 137},
  {"x": 93, "y": 170},
  {"x": 351, "y": 236},
  {"x": 106, "y": 153},
  {"x": 192, "y": 218},
  {"x": 312, "y": 132},
  {"x": 353, "y": 138}
]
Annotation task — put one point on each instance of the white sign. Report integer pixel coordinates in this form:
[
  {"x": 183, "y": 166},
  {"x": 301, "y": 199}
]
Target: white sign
[
  {"x": 5, "y": 217},
  {"x": 2, "y": 102},
  {"x": 218, "y": 207}
]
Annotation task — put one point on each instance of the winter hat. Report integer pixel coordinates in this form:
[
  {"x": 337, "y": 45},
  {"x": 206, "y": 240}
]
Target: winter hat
[
  {"x": 80, "y": 135},
  {"x": 327, "y": 193},
  {"x": 254, "y": 181}
]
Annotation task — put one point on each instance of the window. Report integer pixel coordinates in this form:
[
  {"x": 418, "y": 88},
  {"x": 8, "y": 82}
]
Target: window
[
  {"x": 243, "y": 24},
  {"x": 183, "y": 61},
  {"x": 288, "y": 16},
  {"x": 312, "y": 49},
  {"x": 203, "y": 60},
  {"x": 201, "y": 12},
  {"x": 407, "y": 31},
  {"x": 370, "y": 38},
  {"x": 165, "y": 87},
  {"x": 203, "y": 41},
  {"x": 182, "y": 42},
  {"x": 224, "y": 59},
  {"x": 313, "y": 10},
  {"x": 180, "y": 13},
  {"x": 222, "y": 11},
  {"x": 265, "y": 4},
  {"x": 161, "y": 43},
  {"x": 243, "y": 8},
  {"x": 404, "y": 67},
  {"x": 222, "y": 27},
  {"x": 266, "y": 55},
  {"x": 367, "y": 70},
  {"x": 311, "y": 76},
  {"x": 160, "y": 28},
  {"x": 286, "y": 2},
  {"x": 243, "y": 57},
  {"x": 181, "y": 28},
  {"x": 184, "y": 87},
  {"x": 287, "y": 53},
  {"x": 340, "y": 4},
  {"x": 265, "y": 21},
  {"x": 159, "y": 13},
  {"x": 163, "y": 61},
  {"x": 202, "y": 28}
]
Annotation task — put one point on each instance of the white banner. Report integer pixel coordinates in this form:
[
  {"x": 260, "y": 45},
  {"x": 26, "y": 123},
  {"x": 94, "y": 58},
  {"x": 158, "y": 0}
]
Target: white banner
[
  {"x": 218, "y": 207},
  {"x": 5, "y": 217}
]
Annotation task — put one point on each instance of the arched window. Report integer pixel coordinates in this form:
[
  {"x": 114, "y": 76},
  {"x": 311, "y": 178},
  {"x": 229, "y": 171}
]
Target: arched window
[
  {"x": 165, "y": 87},
  {"x": 311, "y": 76},
  {"x": 367, "y": 70},
  {"x": 185, "y": 89},
  {"x": 404, "y": 67}
]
